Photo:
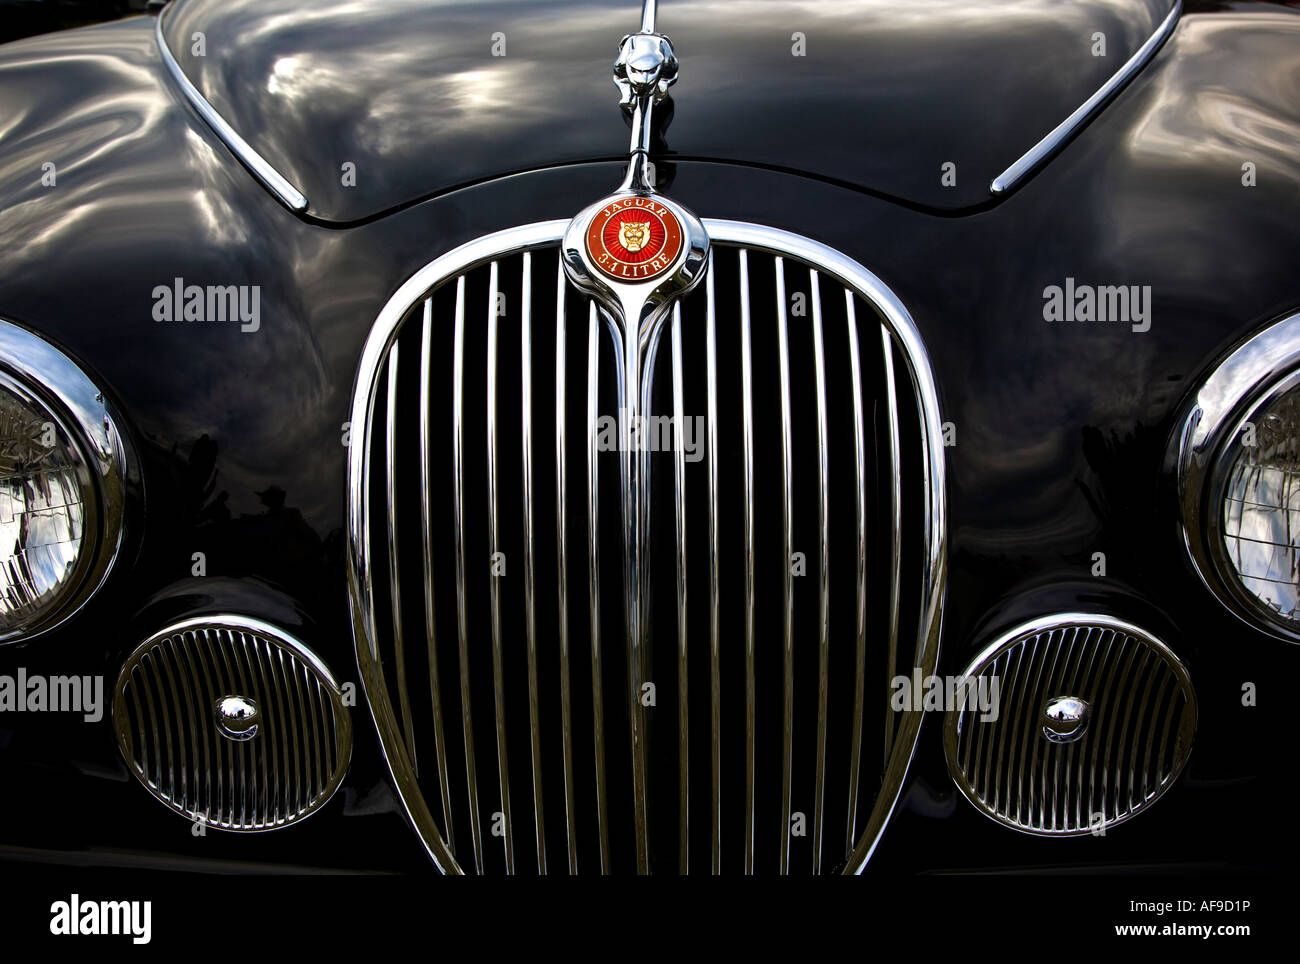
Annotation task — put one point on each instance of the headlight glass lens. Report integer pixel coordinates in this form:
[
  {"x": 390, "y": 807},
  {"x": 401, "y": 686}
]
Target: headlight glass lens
[
  {"x": 1261, "y": 509},
  {"x": 47, "y": 498}
]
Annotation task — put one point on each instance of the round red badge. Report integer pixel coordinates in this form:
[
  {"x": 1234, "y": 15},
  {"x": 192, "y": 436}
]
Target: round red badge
[{"x": 634, "y": 239}]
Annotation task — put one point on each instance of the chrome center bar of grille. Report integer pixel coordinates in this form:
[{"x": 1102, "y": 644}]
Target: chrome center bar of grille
[{"x": 804, "y": 677}]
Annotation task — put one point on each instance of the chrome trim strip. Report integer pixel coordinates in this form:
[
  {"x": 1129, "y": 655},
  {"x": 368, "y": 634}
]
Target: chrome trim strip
[
  {"x": 895, "y": 527},
  {"x": 270, "y": 773},
  {"x": 1123, "y": 638},
  {"x": 205, "y": 663},
  {"x": 787, "y": 546},
  {"x": 747, "y": 392},
  {"x": 562, "y": 570},
  {"x": 830, "y": 263},
  {"x": 395, "y": 592},
  {"x": 1023, "y": 166},
  {"x": 634, "y": 396},
  {"x": 172, "y": 707},
  {"x": 222, "y": 640},
  {"x": 298, "y": 743},
  {"x": 494, "y": 585},
  {"x": 824, "y": 569},
  {"x": 426, "y": 523},
  {"x": 683, "y": 687},
  {"x": 593, "y": 578},
  {"x": 860, "y": 512},
  {"x": 260, "y": 168},
  {"x": 462, "y": 617},
  {"x": 530, "y": 574},
  {"x": 1015, "y": 688},
  {"x": 715, "y": 652},
  {"x": 1245, "y": 381}
]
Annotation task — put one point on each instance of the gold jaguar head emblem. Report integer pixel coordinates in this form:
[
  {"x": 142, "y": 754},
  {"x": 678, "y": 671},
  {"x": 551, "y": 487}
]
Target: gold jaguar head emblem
[{"x": 634, "y": 235}]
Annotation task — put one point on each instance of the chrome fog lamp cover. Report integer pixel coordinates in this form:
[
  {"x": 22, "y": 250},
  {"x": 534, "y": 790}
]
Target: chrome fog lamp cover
[
  {"x": 63, "y": 470},
  {"x": 1238, "y": 469}
]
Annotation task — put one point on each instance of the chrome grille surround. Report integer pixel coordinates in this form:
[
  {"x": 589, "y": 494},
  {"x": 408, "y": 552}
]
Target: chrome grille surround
[
  {"x": 272, "y": 776},
  {"x": 378, "y": 631},
  {"x": 1143, "y": 720}
]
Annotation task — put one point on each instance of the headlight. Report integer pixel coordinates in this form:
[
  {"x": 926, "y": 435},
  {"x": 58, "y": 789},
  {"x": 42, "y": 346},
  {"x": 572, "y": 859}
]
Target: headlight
[
  {"x": 63, "y": 474},
  {"x": 1239, "y": 480},
  {"x": 1261, "y": 509}
]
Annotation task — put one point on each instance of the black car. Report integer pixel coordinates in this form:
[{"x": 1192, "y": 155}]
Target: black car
[{"x": 862, "y": 437}]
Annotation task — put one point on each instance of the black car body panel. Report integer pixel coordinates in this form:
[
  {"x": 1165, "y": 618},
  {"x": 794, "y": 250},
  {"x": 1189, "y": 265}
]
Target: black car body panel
[
  {"x": 424, "y": 97},
  {"x": 1062, "y": 430}
]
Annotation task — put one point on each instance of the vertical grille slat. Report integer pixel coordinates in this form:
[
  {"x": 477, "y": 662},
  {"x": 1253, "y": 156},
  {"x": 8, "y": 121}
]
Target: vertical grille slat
[
  {"x": 824, "y": 570},
  {"x": 860, "y": 595},
  {"x": 715, "y": 653},
  {"x": 751, "y": 686},
  {"x": 530, "y": 577},
  {"x": 634, "y": 404},
  {"x": 216, "y": 772},
  {"x": 394, "y": 568},
  {"x": 1135, "y": 739},
  {"x": 175, "y": 715},
  {"x": 426, "y": 554},
  {"x": 787, "y": 553},
  {"x": 494, "y": 583},
  {"x": 313, "y": 774},
  {"x": 238, "y": 783},
  {"x": 895, "y": 506},
  {"x": 458, "y": 529},
  {"x": 244, "y": 675},
  {"x": 194, "y": 722},
  {"x": 798, "y": 417},
  {"x": 1077, "y": 758},
  {"x": 562, "y": 571},
  {"x": 593, "y": 582},
  {"x": 270, "y": 761},
  {"x": 683, "y": 661},
  {"x": 285, "y": 710}
]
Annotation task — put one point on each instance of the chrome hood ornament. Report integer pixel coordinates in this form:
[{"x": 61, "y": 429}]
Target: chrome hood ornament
[{"x": 636, "y": 253}]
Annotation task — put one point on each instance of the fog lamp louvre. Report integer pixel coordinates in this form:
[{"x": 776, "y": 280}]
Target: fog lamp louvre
[
  {"x": 232, "y": 723},
  {"x": 1094, "y": 721}
]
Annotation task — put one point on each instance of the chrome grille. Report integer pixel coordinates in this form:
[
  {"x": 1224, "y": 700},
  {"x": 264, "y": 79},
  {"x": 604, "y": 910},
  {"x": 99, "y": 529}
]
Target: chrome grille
[
  {"x": 1143, "y": 719},
  {"x": 163, "y": 715},
  {"x": 786, "y": 660}
]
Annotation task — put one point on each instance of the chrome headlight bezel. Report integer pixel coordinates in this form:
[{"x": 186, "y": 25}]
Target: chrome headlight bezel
[
  {"x": 34, "y": 369},
  {"x": 1249, "y": 381}
]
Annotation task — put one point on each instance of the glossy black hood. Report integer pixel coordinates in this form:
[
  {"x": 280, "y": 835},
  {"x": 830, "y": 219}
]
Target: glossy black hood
[{"x": 423, "y": 96}]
